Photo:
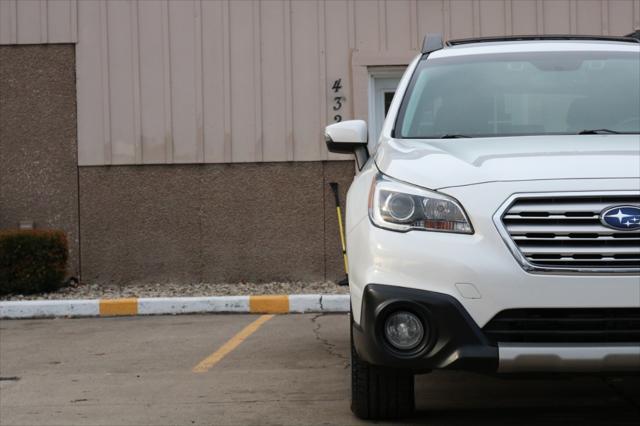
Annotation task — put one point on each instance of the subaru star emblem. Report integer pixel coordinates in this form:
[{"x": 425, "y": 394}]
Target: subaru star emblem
[{"x": 626, "y": 218}]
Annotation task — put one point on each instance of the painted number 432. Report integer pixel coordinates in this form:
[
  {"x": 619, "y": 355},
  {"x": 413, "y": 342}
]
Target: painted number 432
[{"x": 338, "y": 99}]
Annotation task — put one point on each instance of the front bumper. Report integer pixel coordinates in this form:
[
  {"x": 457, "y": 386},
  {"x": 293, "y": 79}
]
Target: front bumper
[
  {"x": 456, "y": 342},
  {"x": 478, "y": 270},
  {"x": 455, "y": 339}
]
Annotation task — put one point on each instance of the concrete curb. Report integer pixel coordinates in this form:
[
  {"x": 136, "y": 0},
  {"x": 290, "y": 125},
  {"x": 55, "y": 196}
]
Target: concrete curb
[{"x": 268, "y": 304}]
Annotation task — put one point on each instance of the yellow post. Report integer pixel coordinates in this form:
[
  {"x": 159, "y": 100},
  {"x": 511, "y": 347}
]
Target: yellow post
[{"x": 343, "y": 241}]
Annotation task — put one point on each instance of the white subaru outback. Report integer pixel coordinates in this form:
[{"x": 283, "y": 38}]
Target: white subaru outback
[{"x": 495, "y": 225}]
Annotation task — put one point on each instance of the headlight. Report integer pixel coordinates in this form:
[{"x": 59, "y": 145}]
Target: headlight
[{"x": 402, "y": 207}]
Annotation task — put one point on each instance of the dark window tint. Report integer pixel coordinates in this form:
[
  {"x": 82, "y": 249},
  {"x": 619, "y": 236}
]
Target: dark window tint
[{"x": 388, "y": 97}]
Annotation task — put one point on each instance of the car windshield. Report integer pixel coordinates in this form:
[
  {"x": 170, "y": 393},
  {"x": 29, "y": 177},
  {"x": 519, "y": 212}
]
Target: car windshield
[{"x": 510, "y": 94}]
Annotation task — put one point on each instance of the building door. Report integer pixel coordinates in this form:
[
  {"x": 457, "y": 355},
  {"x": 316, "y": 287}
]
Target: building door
[{"x": 382, "y": 87}]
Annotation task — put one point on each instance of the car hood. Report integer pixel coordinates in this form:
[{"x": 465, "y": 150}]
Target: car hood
[{"x": 438, "y": 164}]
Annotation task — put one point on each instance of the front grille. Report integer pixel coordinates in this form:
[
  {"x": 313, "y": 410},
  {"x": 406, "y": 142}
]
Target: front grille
[
  {"x": 566, "y": 232},
  {"x": 565, "y": 325}
]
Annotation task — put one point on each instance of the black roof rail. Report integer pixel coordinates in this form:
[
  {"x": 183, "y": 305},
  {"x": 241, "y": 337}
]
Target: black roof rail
[
  {"x": 431, "y": 43},
  {"x": 628, "y": 39},
  {"x": 635, "y": 34}
]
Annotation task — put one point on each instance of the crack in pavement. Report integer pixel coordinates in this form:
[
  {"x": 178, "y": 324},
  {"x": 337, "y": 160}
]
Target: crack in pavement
[{"x": 329, "y": 347}]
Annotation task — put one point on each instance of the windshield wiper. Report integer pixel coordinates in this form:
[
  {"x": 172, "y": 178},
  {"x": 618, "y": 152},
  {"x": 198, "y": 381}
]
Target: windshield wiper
[
  {"x": 454, "y": 136},
  {"x": 598, "y": 132}
]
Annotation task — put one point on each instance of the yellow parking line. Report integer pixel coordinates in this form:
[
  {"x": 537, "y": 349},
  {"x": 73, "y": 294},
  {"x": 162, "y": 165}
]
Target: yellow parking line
[{"x": 204, "y": 365}]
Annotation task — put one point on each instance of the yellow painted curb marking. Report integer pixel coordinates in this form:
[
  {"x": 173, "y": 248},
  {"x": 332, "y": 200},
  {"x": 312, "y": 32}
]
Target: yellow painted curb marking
[
  {"x": 117, "y": 307},
  {"x": 269, "y": 304},
  {"x": 231, "y": 344}
]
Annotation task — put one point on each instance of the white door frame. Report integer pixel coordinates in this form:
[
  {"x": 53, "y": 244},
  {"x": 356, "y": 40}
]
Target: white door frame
[{"x": 381, "y": 80}]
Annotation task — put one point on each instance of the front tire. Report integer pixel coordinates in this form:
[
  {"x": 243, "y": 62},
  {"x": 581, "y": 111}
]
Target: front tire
[{"x": 377, "y": 392}]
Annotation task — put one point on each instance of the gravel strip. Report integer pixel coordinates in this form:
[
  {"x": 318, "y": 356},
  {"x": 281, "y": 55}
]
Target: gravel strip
[{"x": 184, "y": 290}]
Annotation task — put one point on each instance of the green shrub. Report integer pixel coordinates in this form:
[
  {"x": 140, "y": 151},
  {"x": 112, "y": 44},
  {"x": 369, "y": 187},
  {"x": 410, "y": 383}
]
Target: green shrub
[{"x": 32, "y": 261}]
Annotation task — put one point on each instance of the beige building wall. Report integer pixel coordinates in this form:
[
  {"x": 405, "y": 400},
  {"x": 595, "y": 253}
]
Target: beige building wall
[
  {"x": 38, "y": 21},
  {"x": 195, "y": 82},
  {"x": 250, "y": 81},
  {"x": 38, "y": 146}
]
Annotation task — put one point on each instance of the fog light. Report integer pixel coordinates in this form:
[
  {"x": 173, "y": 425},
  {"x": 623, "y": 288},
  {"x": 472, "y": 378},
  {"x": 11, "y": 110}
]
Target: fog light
[{"x": 403, "y": 330}]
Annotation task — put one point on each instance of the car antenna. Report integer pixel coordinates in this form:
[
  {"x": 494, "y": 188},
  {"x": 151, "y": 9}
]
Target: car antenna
[{"x": 431, "y": 43}]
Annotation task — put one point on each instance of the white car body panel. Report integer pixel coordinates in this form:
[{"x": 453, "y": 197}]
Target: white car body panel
[
  {"x": 353, "y": 131},
  {"x": 479, "y": 270},
  {"x": 445, "y": 163},
  {"x": 438, "y": 261}
]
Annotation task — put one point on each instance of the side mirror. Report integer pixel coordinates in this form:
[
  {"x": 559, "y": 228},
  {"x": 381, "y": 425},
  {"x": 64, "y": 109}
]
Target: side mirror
[{"x": 348, "y": 137}]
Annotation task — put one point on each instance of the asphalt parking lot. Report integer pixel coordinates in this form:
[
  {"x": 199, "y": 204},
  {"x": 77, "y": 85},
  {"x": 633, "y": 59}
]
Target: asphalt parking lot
[{"x": 289, "y": 369}]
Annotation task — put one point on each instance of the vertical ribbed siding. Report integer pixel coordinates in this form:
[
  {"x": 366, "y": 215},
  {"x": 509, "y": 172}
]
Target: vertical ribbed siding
[
  {"x": 38, "y": 21},
  {"x": 193, "y": 81}
]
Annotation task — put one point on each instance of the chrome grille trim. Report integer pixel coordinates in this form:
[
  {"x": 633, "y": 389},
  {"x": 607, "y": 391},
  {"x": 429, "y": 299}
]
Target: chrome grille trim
[{"x": 561, "y": 233}]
